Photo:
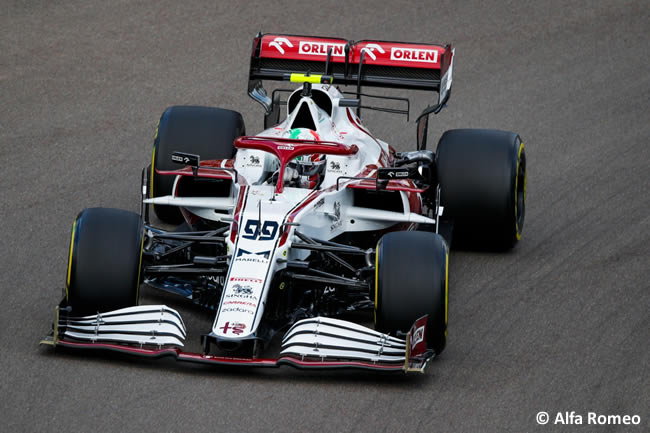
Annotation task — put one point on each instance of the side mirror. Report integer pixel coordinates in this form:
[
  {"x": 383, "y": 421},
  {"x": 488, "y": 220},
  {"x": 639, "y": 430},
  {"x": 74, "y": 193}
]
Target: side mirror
[
  {"x": 391, "y": 173},
  {"x": 258, "y": 93},
  {"x": 187, "y": 159}
]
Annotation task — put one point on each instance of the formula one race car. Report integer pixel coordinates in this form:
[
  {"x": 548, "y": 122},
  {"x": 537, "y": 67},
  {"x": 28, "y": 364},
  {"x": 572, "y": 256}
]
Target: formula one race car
[{"x": 303, "y": 228}]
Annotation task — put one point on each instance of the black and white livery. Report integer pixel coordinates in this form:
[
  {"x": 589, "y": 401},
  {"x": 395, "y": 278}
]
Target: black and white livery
[{"x": 314, "y": 243}]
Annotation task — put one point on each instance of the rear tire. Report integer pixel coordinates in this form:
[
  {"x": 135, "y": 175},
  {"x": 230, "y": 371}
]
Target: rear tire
[
  {"x": 206, "y": 131},
  {"x": 104, "y": 261},
  {"x": 482, "y": 178},
  {"x": 411, "y": 281}
]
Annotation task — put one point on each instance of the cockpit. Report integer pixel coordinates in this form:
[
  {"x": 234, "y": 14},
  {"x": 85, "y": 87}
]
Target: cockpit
[{"x": 309, "y": 113}]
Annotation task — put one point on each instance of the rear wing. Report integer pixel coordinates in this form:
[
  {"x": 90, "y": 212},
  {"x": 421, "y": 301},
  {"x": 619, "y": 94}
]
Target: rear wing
[{"x": 398, "y": 65}]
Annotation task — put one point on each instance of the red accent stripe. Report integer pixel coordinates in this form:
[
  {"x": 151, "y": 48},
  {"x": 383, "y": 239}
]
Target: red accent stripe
[
  {"x": 292, "y": 216},
  {"x": 367, "y": 170},
  {"x": 201, "y": 172},
  {"x": 415, "y": 202},
  {"x": 384, "y": 159},
  {"x": 225, "y": 360},
  {"x": 393, "y": 185},
  {"x": 340, "y": 364},
  {"x": 234, "y": 227}
]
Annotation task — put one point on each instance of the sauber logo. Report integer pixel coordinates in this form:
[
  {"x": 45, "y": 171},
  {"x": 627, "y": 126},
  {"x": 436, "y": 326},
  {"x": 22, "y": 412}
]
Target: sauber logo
[
  {"x": 277, "y": 43},
  {"x": 414, "y": 55},
  {"x": 370, "y": 48},
  {"x": 320, "y": 48}
]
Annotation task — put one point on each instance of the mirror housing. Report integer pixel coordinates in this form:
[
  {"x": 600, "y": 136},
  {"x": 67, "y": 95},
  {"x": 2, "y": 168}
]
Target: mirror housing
[{"x": 257, "y": 91}]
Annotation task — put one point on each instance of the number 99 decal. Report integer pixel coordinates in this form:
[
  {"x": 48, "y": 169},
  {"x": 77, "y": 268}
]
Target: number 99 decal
[{"x": 268, "y": 231}]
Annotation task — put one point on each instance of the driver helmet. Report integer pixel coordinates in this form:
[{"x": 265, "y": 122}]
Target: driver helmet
[{"x": 305, "y": 171}]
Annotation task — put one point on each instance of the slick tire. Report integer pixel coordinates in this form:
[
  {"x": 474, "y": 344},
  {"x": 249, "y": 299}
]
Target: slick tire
[
  {"x": 411, "y": 281},
  {"x": 205, "y": 131},
  {"x": 104, "y": 261},
  {"x": 482, "y": 179}
]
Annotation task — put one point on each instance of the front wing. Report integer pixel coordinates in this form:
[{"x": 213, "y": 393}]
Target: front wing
[{"x": 313, "y": 343}]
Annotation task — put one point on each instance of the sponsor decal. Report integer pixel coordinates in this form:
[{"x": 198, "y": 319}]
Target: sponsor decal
[
  {"x": 237, "y": 310},
  {"x": 320, "y": 48},
  {"x": 417, "y": 336},
  {"x": 285, "y": 147},
  {"x": 335, "y": 166},
  {"x": 254, "y": 161},
  {"x": 278, "y": 43},
  {"x": 414, "y": 55},
  {"x": 268, "y": 231},
  {"x": 242, "y": 290},
  {"x": 264, "y": 254},
  {"x": 236, "y": 328},
  {"x": 319, "y": 203},
  {"x": 242, "y": 296},
  {"x": 246, "y": 303},
  {"x": 370, "y": 50},
  {"x": 253, "y": 259},
  {"x": 246, "y": 280},
  {"x": 178, "y": 158},
  {"x": 392, "y": 173},
  {"x": 186, "y": 158},
  {"x": 329, "y": 289}
]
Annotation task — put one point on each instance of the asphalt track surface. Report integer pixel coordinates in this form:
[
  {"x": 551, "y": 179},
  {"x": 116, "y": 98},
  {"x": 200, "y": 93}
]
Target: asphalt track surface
[{"x": 561, "y": 323}]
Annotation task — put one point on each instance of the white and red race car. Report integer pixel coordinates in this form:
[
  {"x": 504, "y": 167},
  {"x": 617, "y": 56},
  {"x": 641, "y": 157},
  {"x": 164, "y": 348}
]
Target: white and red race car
[{"x": 311, "y": 229}]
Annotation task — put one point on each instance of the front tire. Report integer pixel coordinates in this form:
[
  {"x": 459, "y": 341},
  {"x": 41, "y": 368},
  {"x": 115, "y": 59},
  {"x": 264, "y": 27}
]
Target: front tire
[
  {"x": 104, "y": 261},
  {"x": 411, "y": 281}
]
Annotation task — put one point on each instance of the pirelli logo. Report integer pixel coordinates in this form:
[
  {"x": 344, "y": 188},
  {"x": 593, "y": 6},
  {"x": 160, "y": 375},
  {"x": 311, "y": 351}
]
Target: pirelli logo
[{"x": 414, "y": 55}]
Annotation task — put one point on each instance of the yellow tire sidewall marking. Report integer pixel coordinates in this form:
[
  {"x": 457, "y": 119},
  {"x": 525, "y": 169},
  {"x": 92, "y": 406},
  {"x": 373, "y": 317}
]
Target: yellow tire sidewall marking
[
  {"x": 153, "y": 168},
  {"x": 67, "y": 285}
]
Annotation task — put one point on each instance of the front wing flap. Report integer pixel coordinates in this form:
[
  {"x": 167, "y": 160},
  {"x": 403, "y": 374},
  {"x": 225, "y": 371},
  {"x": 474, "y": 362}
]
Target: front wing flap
[
  {"x": 314, "y": 343},
  {"x": 146, "y": 325}
]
